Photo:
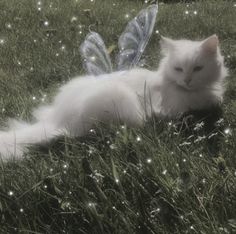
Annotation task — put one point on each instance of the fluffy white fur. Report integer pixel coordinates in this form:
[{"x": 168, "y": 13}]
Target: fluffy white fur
[{"x": 190, "y": 77}]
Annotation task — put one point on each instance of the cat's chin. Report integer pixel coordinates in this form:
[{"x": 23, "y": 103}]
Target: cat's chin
[{"x": 186, "y": 87}]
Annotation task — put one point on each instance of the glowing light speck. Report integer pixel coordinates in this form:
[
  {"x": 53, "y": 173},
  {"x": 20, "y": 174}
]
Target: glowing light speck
[
  {"x": 149, "y": 160},
  {"x": 2, "y": 41},
  {"x": 73, "y": 19},
  {"x": 8, "y": 25},
  {"x": 195, "y": 12},
  {"x": 10, "y": 193},
  {"x": 138, "y": 139},
  {"x": 164, "y": 172},
  {"x": 186, "y": 12},
  {"x": 46, "y": 23},
  {"x": 91, "y": 204},
  {"x": 227, "y": 131}
]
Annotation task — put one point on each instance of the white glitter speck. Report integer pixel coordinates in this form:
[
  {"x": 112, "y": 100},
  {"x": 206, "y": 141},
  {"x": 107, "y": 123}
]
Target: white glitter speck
[
  {"x": 10, "y": 193},
  {"x": 8, "y": 25},
  {"x": 138, "y": 139},
  {"x": 164, "y": 172},
  {"x": 227, "y": 131},
  {"x": 73, "y": 19},
  {"x": 149, "y": 160}
]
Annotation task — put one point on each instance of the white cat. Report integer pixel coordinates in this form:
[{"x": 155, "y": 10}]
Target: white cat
[{"x": 190, "y": 77}]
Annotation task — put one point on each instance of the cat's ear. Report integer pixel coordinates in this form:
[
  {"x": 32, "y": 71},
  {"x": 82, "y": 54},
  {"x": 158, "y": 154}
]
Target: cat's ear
[
  {"x": 210, "y": 45},
  {"x": 167, "y": 44}
]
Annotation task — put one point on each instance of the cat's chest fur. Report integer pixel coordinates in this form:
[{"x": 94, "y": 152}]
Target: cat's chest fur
[{"x": 175, "y": 100}]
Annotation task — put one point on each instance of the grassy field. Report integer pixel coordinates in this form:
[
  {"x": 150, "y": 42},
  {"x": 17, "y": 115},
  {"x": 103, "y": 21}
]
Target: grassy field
[{"x": 116, "y": 180}]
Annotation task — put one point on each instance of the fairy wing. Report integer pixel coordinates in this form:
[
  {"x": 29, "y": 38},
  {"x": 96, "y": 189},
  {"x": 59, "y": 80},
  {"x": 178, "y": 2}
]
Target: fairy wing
[
  {"x": 134, "y": 39},
  {"x": 96, "y": 59}
]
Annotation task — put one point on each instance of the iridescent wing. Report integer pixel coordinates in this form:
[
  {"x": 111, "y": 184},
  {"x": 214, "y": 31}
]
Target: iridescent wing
[
  {"x": 96, "y": 59},
  {"x": 134, "y": 39}
]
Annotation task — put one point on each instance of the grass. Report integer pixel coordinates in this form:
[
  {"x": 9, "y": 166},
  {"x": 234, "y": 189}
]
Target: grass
[{"x": 116, "y": 180}]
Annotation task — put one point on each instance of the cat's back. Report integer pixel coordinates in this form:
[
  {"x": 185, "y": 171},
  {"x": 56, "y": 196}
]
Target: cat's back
[
  {"x": 82, "y": 86},
  {"x": 127, "y": 77}
]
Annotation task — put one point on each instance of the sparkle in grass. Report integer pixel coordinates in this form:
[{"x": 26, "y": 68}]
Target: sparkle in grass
[{"x": 10, "y": 193}]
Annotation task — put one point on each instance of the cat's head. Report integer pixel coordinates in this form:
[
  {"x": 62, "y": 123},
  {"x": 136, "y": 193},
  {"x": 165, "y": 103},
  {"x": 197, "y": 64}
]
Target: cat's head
[{"x": 192, "y": 65}]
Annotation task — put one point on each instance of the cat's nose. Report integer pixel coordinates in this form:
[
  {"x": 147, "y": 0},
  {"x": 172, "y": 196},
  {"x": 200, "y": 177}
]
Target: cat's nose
[{"x": 187, "y": 80}]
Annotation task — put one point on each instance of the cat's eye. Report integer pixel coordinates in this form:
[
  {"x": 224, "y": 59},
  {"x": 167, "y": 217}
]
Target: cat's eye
[
  {"x": 197, "y": 68},
  {"x": 178, "y": 69}
]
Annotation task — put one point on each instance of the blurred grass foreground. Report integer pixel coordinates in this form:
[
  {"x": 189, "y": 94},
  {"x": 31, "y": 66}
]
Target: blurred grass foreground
[{"x": 157, "y": 179}]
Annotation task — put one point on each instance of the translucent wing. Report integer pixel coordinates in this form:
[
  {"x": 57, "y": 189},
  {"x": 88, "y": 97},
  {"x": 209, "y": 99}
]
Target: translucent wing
[
  {"x": 95, "y": 56},
  {"x": 134, "y": 39}
]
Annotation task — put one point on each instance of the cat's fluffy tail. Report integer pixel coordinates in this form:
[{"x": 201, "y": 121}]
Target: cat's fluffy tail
[{"x": 13, "y": 142}]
